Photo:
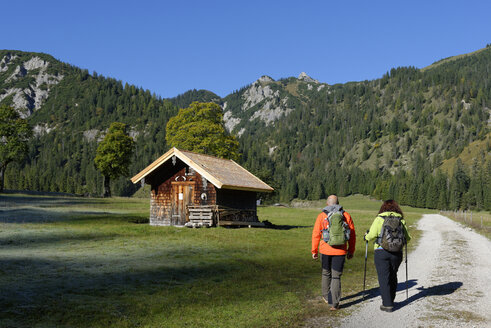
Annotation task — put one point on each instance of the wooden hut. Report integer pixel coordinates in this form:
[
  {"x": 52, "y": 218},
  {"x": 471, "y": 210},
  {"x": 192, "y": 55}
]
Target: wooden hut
[{"x": 190, "y": 189}]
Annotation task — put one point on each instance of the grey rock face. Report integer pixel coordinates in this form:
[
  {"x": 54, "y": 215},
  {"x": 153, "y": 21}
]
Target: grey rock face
[
  {"x": 133, "y": 133},
  {"x": 41, "y": 129},
  {"x": 265, "y": 79},
  {"x": 90, "y": 135},
  {"x": 29, "y": 99},
  {"x": 273, "y": 106},
  {"x": 6, "y": 60},
  {"x": 255, "y": 94},
  {"x": 35, "y": 63},
  {"x": 19, "y": 72},
  {"x": 268, "y": 115},
  {"x": 304, "y": 77},
  {"x": 230, "y": 121}
]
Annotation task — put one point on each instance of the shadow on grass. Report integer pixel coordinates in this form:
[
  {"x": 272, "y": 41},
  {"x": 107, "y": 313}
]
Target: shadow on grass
[
  {"x": 37, "y": 240},
  {"x": 79, "y": 293},
  {"x": 269, "y": 225},
  {"x": 50, "y": 201},
  {"x": 41, "y": 215},
  {"x": 439, "y": 290},
  {"x": 35, "y": 209}
]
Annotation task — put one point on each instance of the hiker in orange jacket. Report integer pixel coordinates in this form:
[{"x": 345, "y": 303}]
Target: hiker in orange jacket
[{"x": 332, "y": 257}]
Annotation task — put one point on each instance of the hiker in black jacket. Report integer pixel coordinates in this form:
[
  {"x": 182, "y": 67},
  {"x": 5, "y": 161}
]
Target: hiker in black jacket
[{"x": 388, "y": 250}]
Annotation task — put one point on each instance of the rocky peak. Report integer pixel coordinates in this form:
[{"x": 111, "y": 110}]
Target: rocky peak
[
  {"x": 265, "y": 79},
  {"x": 304, "y": 77}
]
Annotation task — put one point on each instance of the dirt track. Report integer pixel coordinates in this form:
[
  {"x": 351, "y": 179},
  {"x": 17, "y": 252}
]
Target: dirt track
[{"x": 449, "y": 283}]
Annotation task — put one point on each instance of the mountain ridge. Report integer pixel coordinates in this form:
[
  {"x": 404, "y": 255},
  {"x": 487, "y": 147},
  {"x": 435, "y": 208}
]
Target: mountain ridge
[{"x": 294, "y": 131}]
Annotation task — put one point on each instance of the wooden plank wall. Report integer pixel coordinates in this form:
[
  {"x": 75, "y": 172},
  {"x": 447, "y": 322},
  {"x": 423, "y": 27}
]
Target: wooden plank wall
[
  {"x": 161, "y": 197},
  {"x": 211, "y": 195},
  {"x": 161, "y": 201},
  {"x": 243, "y": 202}
]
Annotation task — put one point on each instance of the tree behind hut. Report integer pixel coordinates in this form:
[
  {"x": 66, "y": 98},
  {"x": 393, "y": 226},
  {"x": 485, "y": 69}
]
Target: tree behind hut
[
  {"x": 113, "y": 155},
  {"x": 14, "y": 135},
  {"x": 200, "y": 128}
]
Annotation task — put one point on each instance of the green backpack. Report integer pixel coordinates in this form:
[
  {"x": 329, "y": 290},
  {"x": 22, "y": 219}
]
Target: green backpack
[{"x": 337, "y": 232}]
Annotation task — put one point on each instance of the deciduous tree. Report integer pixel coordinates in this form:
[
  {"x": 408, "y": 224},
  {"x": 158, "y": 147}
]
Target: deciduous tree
[
  {"x": 113, "y": 155},
  {"x": 14, "y": 135},
  {"x": 200, "y": 128}
]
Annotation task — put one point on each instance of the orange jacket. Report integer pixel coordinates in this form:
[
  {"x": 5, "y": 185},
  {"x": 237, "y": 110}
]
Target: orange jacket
[{"x": 325, "y": 248}]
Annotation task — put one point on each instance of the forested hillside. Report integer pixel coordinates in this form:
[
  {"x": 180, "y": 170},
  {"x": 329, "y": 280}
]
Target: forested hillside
[
  {"x": 387, "y": 137},
  {"x": 75, "y": 115}
]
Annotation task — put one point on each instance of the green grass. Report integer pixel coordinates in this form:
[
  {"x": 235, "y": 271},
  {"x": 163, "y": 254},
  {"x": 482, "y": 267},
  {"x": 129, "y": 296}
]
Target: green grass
[
  {"x": 468, "y": 155},
  {"x": 479, "y": 221},
  {"x": 449, "y": 59},
  {"x": 75, "y": 262}
]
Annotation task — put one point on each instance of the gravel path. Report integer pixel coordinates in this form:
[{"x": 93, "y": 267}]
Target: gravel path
[{"x": 449, "y": 278}]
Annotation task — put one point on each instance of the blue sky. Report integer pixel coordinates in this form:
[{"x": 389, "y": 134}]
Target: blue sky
[{"x": 170, "y": 47}]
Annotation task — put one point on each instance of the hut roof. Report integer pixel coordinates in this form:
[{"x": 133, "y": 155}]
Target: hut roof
[{"x": 222, "y": 173}]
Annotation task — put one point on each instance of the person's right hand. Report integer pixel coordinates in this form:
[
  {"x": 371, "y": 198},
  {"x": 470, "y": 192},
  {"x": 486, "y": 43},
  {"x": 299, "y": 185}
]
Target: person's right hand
[{"x": 315, "y": 256}]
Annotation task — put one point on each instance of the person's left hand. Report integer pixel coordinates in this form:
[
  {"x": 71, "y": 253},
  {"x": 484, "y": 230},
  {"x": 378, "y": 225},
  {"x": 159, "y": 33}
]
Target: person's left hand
[{"x": 349, "y": 256}]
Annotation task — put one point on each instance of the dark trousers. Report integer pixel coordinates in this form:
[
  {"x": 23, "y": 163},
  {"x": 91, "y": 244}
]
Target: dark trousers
[
  {"x": 387, "y": 264},
  {"x": 332, "y": 269}
]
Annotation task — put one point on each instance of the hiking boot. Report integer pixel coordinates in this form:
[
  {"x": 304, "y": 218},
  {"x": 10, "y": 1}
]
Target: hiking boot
[{"x": 386, "y": 308}]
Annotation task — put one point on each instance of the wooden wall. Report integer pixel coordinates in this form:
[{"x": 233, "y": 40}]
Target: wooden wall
[
  {"x": 240, "y": 205},
  {"x": 161, "y": 207},
  {"x": 204, "y": 187},
  {"x": 161, "y": 201}
]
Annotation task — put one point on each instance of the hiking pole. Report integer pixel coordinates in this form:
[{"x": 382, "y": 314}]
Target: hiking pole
[
  {"x": 365, "y": 272},
  {"x": 407, "y": 295}
]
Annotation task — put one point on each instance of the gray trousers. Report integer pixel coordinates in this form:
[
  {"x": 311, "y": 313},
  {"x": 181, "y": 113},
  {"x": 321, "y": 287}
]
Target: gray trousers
[{"x": 332, "y": 269}]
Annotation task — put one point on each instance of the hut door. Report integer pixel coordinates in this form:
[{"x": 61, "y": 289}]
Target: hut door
[{"x": 182, "y": 195}]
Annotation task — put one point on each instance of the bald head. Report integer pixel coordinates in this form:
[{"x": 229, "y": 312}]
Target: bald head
[{"x": 332, "y": 200}]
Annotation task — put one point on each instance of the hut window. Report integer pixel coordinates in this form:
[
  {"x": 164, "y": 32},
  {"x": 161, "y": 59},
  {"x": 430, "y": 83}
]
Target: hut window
[{"x": 205, "y": 183}]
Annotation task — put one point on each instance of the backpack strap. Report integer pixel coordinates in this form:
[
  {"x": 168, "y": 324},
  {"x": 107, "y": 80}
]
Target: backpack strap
[
  {"x": 328, "y": 217},
  {"x": 379, "y": 238}
]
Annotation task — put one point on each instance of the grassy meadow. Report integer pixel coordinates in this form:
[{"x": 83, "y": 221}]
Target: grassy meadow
[
  {"x": 78, "y": 262},
  {"x": 480, "y": 221}
]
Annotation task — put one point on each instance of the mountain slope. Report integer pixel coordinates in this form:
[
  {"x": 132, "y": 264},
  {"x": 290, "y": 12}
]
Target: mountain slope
[
  {"x": 409, "y": 120},
  {"x": 70, "y": 110},
  {"x": 306, "y": 137}
]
